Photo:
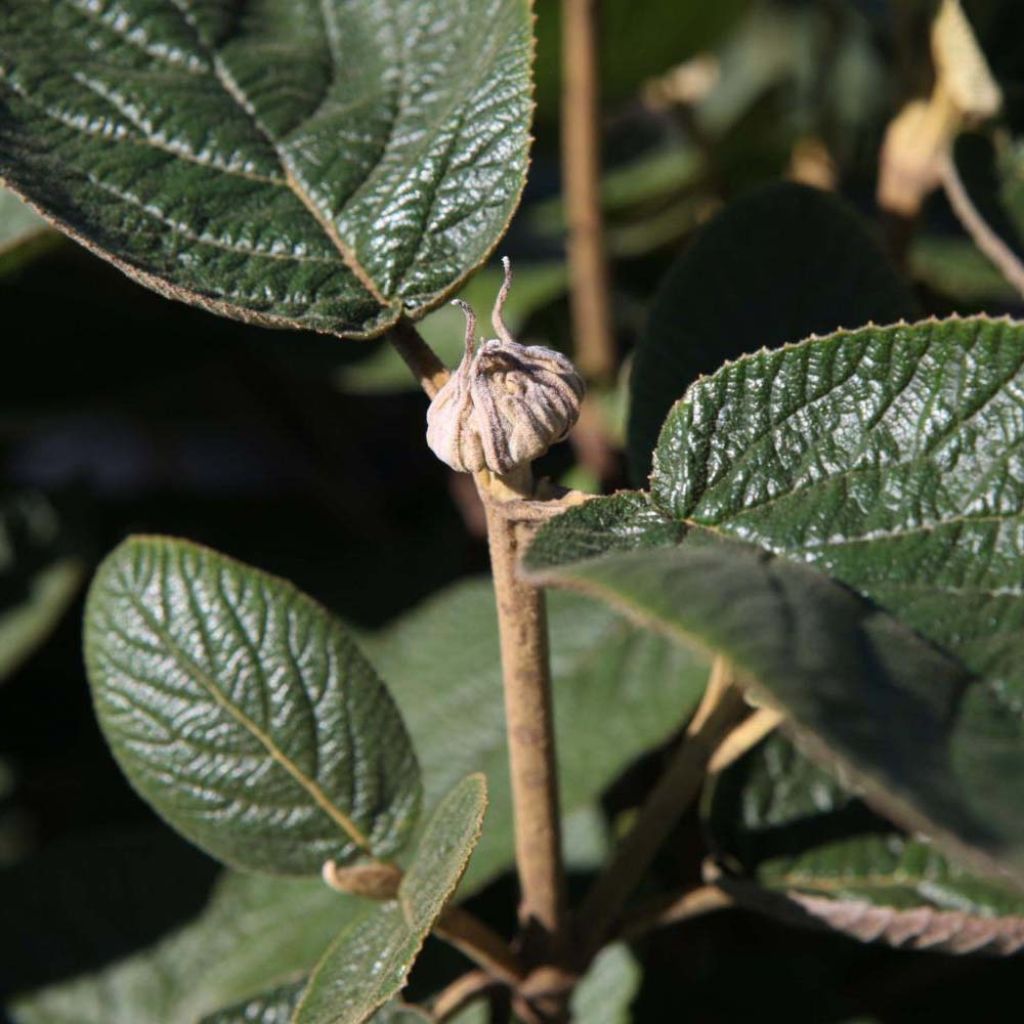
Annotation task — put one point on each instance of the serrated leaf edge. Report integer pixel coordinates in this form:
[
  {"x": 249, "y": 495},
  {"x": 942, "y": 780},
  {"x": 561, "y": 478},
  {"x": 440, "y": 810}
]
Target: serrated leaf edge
[{"x": 481, "y": 780}]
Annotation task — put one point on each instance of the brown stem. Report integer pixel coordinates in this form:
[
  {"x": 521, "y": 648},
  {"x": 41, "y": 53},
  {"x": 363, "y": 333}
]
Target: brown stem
[
  {"x": 459, "y": 994},
  {"x": 486, "y": 948},
  {"x": 581, "y": 175},
  {"x": 744, "y": 737},
  {"x": 526, "y": 678},
  {"x": 1000, "y": 254},
  {"x": 664, "y": 912},
  {"x": 522, "y": 627},
  {"x": 419, "y": 357},
  {"x": 720, "y": 709}
]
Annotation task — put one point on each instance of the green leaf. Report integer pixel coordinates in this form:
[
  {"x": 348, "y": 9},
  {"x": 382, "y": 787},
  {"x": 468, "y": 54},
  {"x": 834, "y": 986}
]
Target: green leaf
[
  {"x": 889, "y": 459},
  {"x": 783, "y": 263},
  {"x": 956, "y": 268},
  {"x": 371, "y": 958},
  {"x": 16, "y": 220},
  {"x": 257, "y": 932},
  {"x": 443, "y": 667},
  {"x": 329, "y": 166},
  {"x": 809, "y": 850},
  {"x": 868, "y": 690},
  {"x": 41, "y": 571},
  {"x": 244, "y": 712},
  {"x": 609, "y": 986},
  {"x": 278, "y": 1005},
  {"x": 273, "y": 1007}
]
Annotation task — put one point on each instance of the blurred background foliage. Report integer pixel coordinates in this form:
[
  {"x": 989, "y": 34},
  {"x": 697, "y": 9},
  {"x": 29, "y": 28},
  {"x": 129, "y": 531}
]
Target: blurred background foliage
[{"x": 121, "y": 411}]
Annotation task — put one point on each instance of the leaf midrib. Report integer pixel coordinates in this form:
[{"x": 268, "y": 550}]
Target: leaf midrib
[
  {"x": 224, "y": 78},
  {"x": 187, "y": 665}
]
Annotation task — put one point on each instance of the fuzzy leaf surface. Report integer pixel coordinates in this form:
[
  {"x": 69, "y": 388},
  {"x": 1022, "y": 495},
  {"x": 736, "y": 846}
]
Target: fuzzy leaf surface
[
  {"x": 809, "y": 850},
  {"x": 371, "y": 958},
  {"x": 320, "y": 165},
  {"x": 442, "y": 665},
  {"x": 244, "y": 712}
]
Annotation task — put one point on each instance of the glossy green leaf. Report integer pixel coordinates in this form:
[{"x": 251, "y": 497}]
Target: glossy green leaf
[
  {"x": 783, "y": 263},
  {"x": 244, "y": 712},
  {"x": 278, "y": 1006},
  {"x": 890, "y": 459},
  {"x": 808, "y": 849},
  {"x": 258, "y": 932},
  {"x": 371, "y": 958},
  {"x": 443, "y": 667},
  {"x": 609, "y": 986},
  {"x": 328, "y": 166}
]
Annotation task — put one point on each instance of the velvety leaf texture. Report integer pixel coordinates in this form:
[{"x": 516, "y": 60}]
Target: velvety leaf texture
[
  {"x": 784, "y": 262},
  {"x": 810, "y": 850},
  {"x": 443, "y": 666},
  {"x": 319, "y": 164},
  {"x": 244, "y": 712},
  {"x": 371, "y": 958}
]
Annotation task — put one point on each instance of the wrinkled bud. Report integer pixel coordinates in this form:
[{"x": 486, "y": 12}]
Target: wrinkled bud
[{"x": 506, "y": 404}]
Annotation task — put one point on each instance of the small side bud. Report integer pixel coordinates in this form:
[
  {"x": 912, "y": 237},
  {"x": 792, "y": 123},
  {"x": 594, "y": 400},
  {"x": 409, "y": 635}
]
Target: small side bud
[
  {"x": 506, "y": 404},
  {"x": 372, "y": 881}
]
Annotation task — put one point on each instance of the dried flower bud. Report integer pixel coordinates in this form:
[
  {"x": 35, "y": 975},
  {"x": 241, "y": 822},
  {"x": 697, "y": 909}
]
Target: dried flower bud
[{"x": 506, "y": 404}]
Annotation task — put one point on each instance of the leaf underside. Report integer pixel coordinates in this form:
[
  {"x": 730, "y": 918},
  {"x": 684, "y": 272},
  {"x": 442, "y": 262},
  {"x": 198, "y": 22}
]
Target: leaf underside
[
  {"x": 890, "y": 459},
  {"x": 311, "y": 164},
  {"x": 371, "y": 958},
  {"x": 244, "y": 712},
  {"x": 809, "y": 850}
]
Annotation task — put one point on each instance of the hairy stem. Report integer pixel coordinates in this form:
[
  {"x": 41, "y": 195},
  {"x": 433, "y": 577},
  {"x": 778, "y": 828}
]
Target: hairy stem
[
  {"x": 720, "y": 709},
  {"x": 459, "y": 994},
  {"x": 419, "y": 357},
  {"x": 581, "y": 177},
  {"x": 999, "y": 253},
  {"x": 744, "y": 737},
  {"x": 486, "y": 948},
  {"x": 526, "y": 676},
  {"x": 674, "y": 909}
]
